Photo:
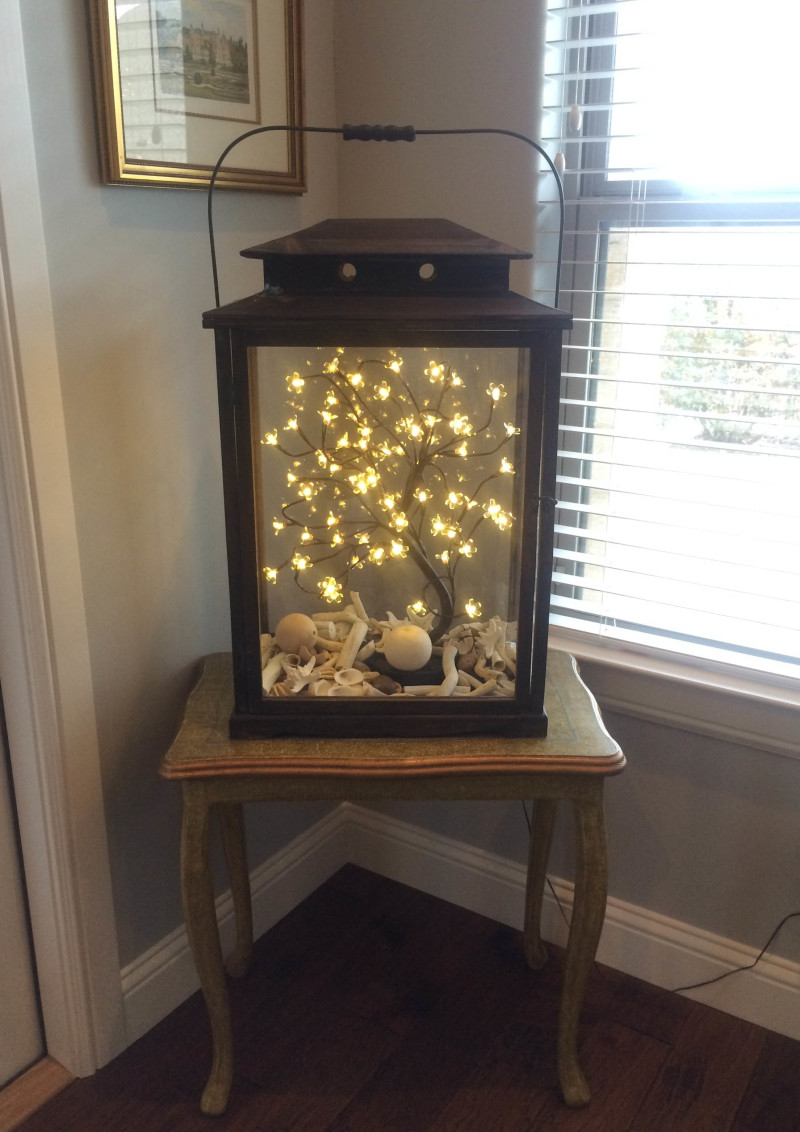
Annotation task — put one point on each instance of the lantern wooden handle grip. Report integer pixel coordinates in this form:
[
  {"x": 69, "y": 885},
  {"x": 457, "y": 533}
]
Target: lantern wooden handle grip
[{"x": 378, "y": 133}]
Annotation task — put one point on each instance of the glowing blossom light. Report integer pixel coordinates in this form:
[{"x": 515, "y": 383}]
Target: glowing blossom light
[{"x": 377, "y": 476}]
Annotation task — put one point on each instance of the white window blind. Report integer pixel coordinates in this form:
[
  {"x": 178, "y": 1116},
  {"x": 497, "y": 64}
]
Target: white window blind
[{"x": 678, "y": 523}]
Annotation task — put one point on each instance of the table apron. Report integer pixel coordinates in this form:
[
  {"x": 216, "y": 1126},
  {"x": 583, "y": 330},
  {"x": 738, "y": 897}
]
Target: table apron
[{"x": 444, "y": 788}]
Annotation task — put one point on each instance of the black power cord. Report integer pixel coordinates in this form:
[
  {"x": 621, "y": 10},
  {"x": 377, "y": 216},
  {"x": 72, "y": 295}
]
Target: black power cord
[
  {"x": 736, "y": 970},
  {"x": 689, "y": 986}
]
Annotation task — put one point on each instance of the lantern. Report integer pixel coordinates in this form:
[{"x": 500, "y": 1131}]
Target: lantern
[{"x": 388, "y": 413}]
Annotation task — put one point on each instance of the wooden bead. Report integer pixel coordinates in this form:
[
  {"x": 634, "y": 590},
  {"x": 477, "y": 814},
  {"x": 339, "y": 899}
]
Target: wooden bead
[
  {"x": 294, "y": 632},
  {"x": 407, "y": 647}
]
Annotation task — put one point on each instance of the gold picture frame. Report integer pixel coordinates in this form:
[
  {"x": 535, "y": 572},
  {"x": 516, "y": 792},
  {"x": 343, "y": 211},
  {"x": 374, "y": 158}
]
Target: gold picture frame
[{"x": 177, "y": 80}]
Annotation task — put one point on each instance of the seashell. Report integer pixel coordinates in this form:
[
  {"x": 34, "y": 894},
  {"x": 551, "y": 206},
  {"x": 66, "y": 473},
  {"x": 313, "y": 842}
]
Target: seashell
[
  {"x": 348, "y": 676},
  {"x": 280, "y": 690},
  {"x": 319, "y": 688},
  {"x": 386, "y": 685},
  {"x": 465, "y": 644},
  {"x": 295, "y": 630},
  {"x": 347, "y": 690}
]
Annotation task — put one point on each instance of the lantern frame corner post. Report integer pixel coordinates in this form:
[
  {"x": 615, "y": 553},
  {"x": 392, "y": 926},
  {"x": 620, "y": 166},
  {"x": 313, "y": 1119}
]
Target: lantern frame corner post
[
  {"x": 233, "y": 388},
  {"x": 545, "y": 530}
]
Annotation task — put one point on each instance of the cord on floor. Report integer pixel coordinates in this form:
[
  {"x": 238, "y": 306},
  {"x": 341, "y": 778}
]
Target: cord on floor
[{"x": 689, "y": 986}]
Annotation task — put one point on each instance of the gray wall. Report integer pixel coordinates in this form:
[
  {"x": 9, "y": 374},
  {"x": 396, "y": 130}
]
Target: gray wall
[
  {"x": 130, "y": 278},
  {"x": 445, "y": 65},
  {"x": 700, "y": 830}
]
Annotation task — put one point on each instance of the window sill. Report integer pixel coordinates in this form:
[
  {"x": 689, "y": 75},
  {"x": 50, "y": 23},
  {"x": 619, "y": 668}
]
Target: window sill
[{"x": 675, "y": 693}]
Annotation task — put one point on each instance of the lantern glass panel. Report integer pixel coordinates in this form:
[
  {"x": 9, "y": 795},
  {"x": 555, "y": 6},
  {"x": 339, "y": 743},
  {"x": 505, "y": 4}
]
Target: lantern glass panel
[{"x": 395, "y": 473}]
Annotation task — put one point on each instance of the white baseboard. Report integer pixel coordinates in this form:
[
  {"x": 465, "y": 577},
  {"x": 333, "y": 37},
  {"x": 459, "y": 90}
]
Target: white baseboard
[
  {"x": 649, "y": 946},
  {"x": 158, "y": 981}
]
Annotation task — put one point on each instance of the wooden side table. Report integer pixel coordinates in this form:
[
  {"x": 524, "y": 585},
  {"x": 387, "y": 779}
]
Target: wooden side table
[{"x": 219, "y": 773}]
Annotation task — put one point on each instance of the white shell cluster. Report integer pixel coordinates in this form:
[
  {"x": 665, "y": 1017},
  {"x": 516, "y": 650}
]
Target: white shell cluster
[{"x": 326, "y": 655}]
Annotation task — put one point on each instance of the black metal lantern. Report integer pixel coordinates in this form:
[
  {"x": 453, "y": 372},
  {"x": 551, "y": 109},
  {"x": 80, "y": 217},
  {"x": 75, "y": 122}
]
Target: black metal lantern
[{"x": 388, "y": 413}]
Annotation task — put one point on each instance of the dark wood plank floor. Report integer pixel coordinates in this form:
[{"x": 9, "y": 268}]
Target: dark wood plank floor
[{"x": 375, "y": 1008}]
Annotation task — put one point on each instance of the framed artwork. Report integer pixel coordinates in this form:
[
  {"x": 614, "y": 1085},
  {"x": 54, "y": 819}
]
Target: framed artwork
[{"x": 177, "y": 80}]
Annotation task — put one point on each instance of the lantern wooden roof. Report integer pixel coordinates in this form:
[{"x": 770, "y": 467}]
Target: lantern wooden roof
[
  {"x": 394, "y": 256},
  {"x": 410, "y": 236},
  {"x": 424, "y": 275}
]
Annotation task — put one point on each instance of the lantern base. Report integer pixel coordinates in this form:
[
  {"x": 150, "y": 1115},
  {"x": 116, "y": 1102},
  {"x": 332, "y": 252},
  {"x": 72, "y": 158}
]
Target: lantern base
[{"x": 348, "y": 720}]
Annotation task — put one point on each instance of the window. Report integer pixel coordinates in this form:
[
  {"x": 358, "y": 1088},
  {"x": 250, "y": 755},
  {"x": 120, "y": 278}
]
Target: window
[{"x": 678, "y": 523}]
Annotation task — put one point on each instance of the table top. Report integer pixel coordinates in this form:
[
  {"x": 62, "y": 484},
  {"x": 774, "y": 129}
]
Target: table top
[{"x": 576, "y": 742}]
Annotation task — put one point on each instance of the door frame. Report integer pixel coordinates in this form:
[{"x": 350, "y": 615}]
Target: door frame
[{"x": 44, "y": 647}]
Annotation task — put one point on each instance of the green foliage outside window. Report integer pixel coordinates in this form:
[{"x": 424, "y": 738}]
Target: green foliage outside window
[{"x": 729, "y": 375}]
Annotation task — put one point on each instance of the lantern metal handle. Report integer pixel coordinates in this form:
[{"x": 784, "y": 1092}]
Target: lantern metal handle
[{"x": 383, "y": 133}]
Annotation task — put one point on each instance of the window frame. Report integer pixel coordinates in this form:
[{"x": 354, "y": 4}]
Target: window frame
[{"x": 588, "y": 185}]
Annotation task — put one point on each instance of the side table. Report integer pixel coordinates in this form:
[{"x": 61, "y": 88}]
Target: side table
[{"x": 220, "y": 773}]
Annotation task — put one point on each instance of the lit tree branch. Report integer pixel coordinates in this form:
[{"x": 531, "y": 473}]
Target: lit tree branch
[{"x": 378, "y": 491}]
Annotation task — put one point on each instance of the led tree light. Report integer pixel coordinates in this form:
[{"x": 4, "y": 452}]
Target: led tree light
[
  {"x": 388, "y": 416},
  {"x": 389, "y": 483}
]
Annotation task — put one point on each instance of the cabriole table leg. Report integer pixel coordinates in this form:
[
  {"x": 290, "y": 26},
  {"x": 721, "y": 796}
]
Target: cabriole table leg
[
  {"x": 587, "y": 922},
  {"x": 231, "y": 822},
  {"x": 542, "y": 822},
  {"x": 201, "y": 928}
]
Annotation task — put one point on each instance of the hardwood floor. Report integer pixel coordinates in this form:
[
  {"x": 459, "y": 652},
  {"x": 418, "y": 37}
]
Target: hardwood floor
[{"x": 376, "y": 1008}]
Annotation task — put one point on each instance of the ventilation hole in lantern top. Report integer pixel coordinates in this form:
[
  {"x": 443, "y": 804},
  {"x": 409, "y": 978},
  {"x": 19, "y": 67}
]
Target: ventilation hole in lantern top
[
  {"x": 347, "y": 272},
  {"x": 427, "y": 272}
]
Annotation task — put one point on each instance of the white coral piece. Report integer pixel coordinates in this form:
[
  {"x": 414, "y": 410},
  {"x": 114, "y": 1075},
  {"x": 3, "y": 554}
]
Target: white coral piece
[
  {"x": 448, "y": 685},
  {"x": 298, "y": 675},
  {"x": 492, "y": 640},
  {"x": 355, "y": 638},
  {"x": 272, "y": 670}
]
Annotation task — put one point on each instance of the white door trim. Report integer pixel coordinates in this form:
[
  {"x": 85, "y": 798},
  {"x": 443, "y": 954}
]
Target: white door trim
[{"x": 44, "y": 653}]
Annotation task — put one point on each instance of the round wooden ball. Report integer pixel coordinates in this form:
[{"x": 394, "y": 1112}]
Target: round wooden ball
[
  {"x": 407, "y": 647},
  {"x": 295, "y": 631}
]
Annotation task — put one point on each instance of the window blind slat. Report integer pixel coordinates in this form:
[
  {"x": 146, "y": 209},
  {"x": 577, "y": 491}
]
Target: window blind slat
[{"x": 678, "y": 519}]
